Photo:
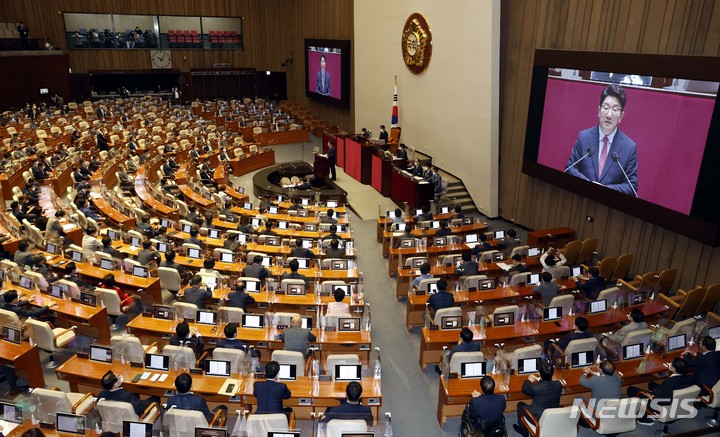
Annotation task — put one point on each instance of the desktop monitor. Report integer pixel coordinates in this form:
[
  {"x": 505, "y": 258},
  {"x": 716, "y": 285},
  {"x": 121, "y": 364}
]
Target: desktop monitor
[
  {"x": 210, "y": 432},
  {"x": 487, "y": 284},
  {"x": 451, "y": 322},
  {"x": 26, "y": 282},
  {"x": 576, "y": 271},
  {"x": 102, "y": 354},
  {"x": 12, "y": 334},
  {"x": 528, "y": 365},
  {"x": 56, "y": 291},
  {"x": 162, "y": 247},
  {"x": 497, "y": 235},
  {"x": 282, "y": 224},
  {"x": 11, "y": 412},
  {"x": 347, "y": 372},
  {"x": 534, "y": 279},
  {"x": 273, "y": 210},
  {"x": 503, "y": 319},
  {"x": 71, "y": 423},
  {"x": 213, "y": 233},
  {"x": 51, "y": 248},
  {"x": 345, "y": 289},
  {"x": 632, "y": 351},
  {"x": 348, "y": 324},
  {"x": 76, "y": 256},
  {"x": 132, "y": 428},
  {"x": 252, "y": 321},
  {"x": 252, "y": 286},
  {"x": 226, "y": 257},
  {"x": 288, "y": 372},
  {"x": 598, "y": 306},
  {"x": 217, "y": 368},
  {"x": 445, "y": 210},
  {"x": 340, "y": 264},
  {"x": 306, "y": 323},
  {"x": 140, "y": 271},
  {"x": 332, "y": 203},
  {"x": 534, "y": 251},
  {"x": 675, "y": 342},
  {"x": 471, "y": 238},
  {"x": 186, "y": 228},
  {"x": 157, "y": 362},
  {"x": 296, "y": 290},
  {"x": 581, "y": 359},
  {"x": 163, "y": 312},
  {"x": 89, "y": 299},
  {"x": 473, "y": 369},
  {"x": 247, "y": 205},
  {"x": 107, "y": 264},
  {"x": 714, "y": 331},
  {"x": 206, "y": 317},
  {"x": 194, "y": 253},
  {"x": 114, "y": 235},
  {"x": 552, "y": 313}
]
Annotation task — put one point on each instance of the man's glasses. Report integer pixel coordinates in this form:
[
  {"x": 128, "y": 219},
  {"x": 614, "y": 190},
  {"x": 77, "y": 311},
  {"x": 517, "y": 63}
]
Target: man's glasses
[{"x": 615, "y": 109}]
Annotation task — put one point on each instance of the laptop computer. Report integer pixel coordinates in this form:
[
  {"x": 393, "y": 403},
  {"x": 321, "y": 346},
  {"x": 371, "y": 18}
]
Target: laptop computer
[
  {"x": 487, "y": 284},
  {"x": 133, "y": 428},
  {"x": 11, "y": 416},
  {"x": 247, "y": 205},
  {"x": 140, "y": 271},
  {"x": 210, "y": 432},
  {"x": 107, "y": 264},
  {"x": 473, "y": 369},
  {"x": 581, "y": 359},
  {"x": 534, "y": 251},
  {"x": 252, "y": 286},
  {"x": 288, "y": 372},
  {"x": 186, "y": 228},
  {"x": 157, "y": 362},
  {"x": 552, "y": 313},
  {"x": 213, "y": 233},
  {"x": 76, "y": 256},
  {"x": 344, "y": 288},
  {"x": 576, "y": 271},
  {"x": 206, "y": 317},
  {"x": 632, "y": 351},
  {"x": 217, "y": 368},
  {"x": 226, "y": 257},
  {"x": 283, "y": 434},
  {"x": 296, "y": 290},
  {"x": 598, "y": 306},
  {"x": 87, "y": 298},
  {"x": 497, "y": 235},
  {"x": 348, "y": 372},
  {"x": 163, "y": 312},
  {"x": 332, "y": 203},
  {"x": 273, "y": 210},
  {"x": 637, "y": 298},
  {"x": 533, "y": 279},
  {"x": 444, "y": 210},
  {"x": 51, "y": 248},
  {"x": 194, "y": 253},
  {"x": 26, "y": 282},
  {"x": 340, "y": 264}
]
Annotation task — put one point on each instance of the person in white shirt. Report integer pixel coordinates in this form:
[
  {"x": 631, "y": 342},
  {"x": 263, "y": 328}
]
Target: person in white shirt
[
  {"x": 552, "y": 258},
  {"x": 338, "y": 306}
]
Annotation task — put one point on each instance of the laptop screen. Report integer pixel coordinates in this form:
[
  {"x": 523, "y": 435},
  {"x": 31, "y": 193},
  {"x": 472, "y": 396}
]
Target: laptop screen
[
  {"x": 471, "y": 238},
  {"x": 676, "y": 342},
  {"x": 12, "y": 334},
  {"x": 206, "y": 317},
  {"x": 113, "y": 234},
  {"x": 135, "y": 241},
  {"x": 632, "y": 351},
  {"x": 349, "y": 324},
  {"x": 213, "y": 233},
  {"x": 266, "y": 261},
  {"x": 341, "y": 264},
  {"x": 282, "y": 225},
  {"x": 102, "y": 354},
  {"x": 637, "y": 298},
  {"x": 528, "y": 365},
  {"x": 162, "y": 247},
  {"x": 487, "y": 284},
  {"x": 303, "y": 263},
  {"x": 140, "y": 271},
  {"x": 576, "y": 271},
  {"x": 288, "y": 372},
  {"x": 401, "y": 226},
  {"x": 252, "y": 321},
  {"x": 137, "y": 429},
  {"x": 186, "y": 228},
  {"x": 714, "y": 332},
  {"x": 194, "y": 253},
  {"x": 247, "y": 205},
  {"x": 50, "y": 248},
  {"x": 304, "y": 201},
  {"x": 71, "y": 423},
  {"x": 163, "y": 312},
  {"x": 581, "y": 359},
  {"x": 598, "y": 306},
  {"x": 435, "y": 224},
  {"x": 552, "y": 313},
  {"x": 217, "y": 368},
  {"x": 347, "y": 372},
  {"x": 76, "y": 256},
  {"x": 56, "y": 291},
  {"x": 332, "y": 203},
  {"x": 307, "y": 323},
  {"x": 533, "y": 251},
  {"x": 165, "y": 223},
  {"x": 26, "y": 282},
  {"x": 503, "y": 319},
  {"x": 210, "y": 432},
  {"x": 252, "y": 286},
  {"x": 157, "y": 362},
  {"x": 226, "y": 257},
  {"x": 89, "y": 299},
  {"x": 273, "y": 210},
  {"x": 499, "y": 255},
  {"x": 440, "y": 241},
  {"x": 472, "y": 370},
  {"x": 107, "y": 264},
  {"x": 307, "y": 244},
  {"x": 451, "y": 322},
  {"x": 10, "y": 412},
  {"x": 499, "y": 234},
  {"x": 444, "y": 210},
  {"x": 283, "y": 434}
]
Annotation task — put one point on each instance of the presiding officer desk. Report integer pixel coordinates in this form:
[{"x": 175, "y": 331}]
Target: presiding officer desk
[
  {"x": 433, "y": 340},
  {"x": 84, "y": 376},
  {"x": 264, "y": 339}
]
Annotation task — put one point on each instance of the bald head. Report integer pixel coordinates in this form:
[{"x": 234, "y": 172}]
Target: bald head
[{"x": 296, "y": 321}]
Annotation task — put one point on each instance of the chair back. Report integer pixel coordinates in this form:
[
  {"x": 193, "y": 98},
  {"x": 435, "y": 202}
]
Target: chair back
[
  {"x": 565, "y": 301},
  {"x": 640, "y": 336},
  {"x": 169, "y": 279},
  {"x": 451, "y": 259},
  {"x": 110, "y": 299},
  {"x": 285, "y": 283},
  {"x": 181, "y": 357},
  {"x": 338, "y": 427},
  {"x": 710, "y": 300},
  {"x": 509, "y": 309},
  {"x": 331, "y": 319},
  {"x": 473, "y": 282},
  {"x": 559, "y": 421},
  {"x": 180, "y": 421},
  {"x": 129, "y": 347},
  {"x": 716, "y": 396},
  {"x": 580, "y": 345},
  {"x": 519, "y": 278},
  {"x": 613, "y": 423},
  {"x": 669, "y": 414},
  {"x": 424, "y": 285},
  {"x": 410, "y": 261},
  {"x": 690, "y": 304},
  {"x": 235, "y": 357},
  {"x": 259, "y": 425},
  {"x": 446, "y": 312},
  {"x": 589, "y": 246},
  {"x": 113, "y": 413},
  {"x": 534, "y": 351},
  {"x": 290, "y": 357},
  {"x": 464, "y": 357},
  {"x": 283, "y": 318},
  {"x": 335, "y": 359},
  {"x": 571, "y": 251},
  {"x": 666, "y": 280},
  {"x": 230, "y": 314},
  {"x": 622, "y": 267},
  {"x": 607, "y": 267},
  {"x": 50, "y": 402},
  {"x": 487, "y": 257},
  {"x": 686, "y": 326},
  {"x": 559, "y": 272},
  {"x": 71, "y": 288},
  {"x": 42, "y": 334},
  {"x": 185, "y": 310},
  {"x": 519, "y": 250},
  {"x": 9, "y": 318},
  {"x": 610, "y": 294}
]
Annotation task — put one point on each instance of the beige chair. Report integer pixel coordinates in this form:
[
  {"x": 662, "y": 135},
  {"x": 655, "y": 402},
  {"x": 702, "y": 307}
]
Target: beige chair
[
  {"x": 235, "y": 357},
  {"x": 553, "y": 422},
  {"x": 473, "y": 282},
  {"x": 487, "y": 256},
  {"x": 336, "y": 359},
  {"x": 415, "y": 261},
  {"x": 614, "y": 349},
  {"x": 181, "y": 357},
  {"x": 170, "y": 280},
  {"x": 285, "y": 283},
  {"x": 622, "y": 267},
  {"x": 666, "y": 281},
  {"x": 111, "y": 301},
  {"x": 534, "y": 351},
  {"x": 610, "y": 295},
  {"x": 643, "y": 283},
  {"x": 607, "y": 267},
  {"x": 712, "y": 400},
  {"x": 507, "y": 309},
  {"x": 520, "y": 250},
  {"x": 259, "y": 425},
  {"x": 230, "y": 314},
  {"x": 424, "y": 285},
  {"x": 180, "y": 421},
  {"x": 283, "y": 318},
  {"x": 447, "y": 312},
  {"x": 70, "y": 288},
  {"x": 50, "y": 339},
  {"x": 338, "y": 427},
  {"x": 668, "y": 414},
  {"x": 684, "y": 303},
  {"x": 49, "y": 402},
  {"x": 520, "y": 278},
  {"x": 129, "y": 348},
  {"x": 9, "y": 318},
  {"x": 606, "y": 421},
  {"x": 459, "y": 358},
  {"x": 113, "y": 414},
  {"x": 328, "y": 286},
  {"x": 184, "y": 310},
  {"x": 290, "y": 357}
]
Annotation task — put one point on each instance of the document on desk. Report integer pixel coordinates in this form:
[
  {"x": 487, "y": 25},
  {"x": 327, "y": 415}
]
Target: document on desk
[
  {"x": 163, "y": 377},
  {"x": 155, "y": 377},
  {"x": 230, "y": 388},
  {"x": 504, "y": 266}
]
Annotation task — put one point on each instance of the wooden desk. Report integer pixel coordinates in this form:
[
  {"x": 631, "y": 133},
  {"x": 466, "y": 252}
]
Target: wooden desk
[
  {"x": 431, "y": 252},
  {"x": 405, "y": 189},
  {"x": 425, "y": 233},
  {"x": 202, "y": 203},
  {"x": 27, "y": 425},
  {"x": 112, "y": 214},
  {"x": 25, "y": 358},
  {"x": 383, "y": 223},
  {"x": 432, "y": 341},
  {"x": 545, "y": 237},
  {"x": 154, "y": 206},
  {"x": 91, "y": 321},
  {"x": 284, "y": 137},
  {"x": 248, "y": 163},
  {"x": 250, "y": 213}
]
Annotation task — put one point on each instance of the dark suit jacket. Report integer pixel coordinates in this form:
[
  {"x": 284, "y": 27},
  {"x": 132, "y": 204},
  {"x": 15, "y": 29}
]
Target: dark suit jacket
[
  {"x": 573, "y": 336},
  {"x": 347, "y": 411},
  {"x": 464, "y": 347},
  {"x": 230, "y": 343},
  {"x": 612, "y": 176},
  {"x": 237, "y": 299},
  {"x": 197, "y": 296},
  {"x": 469, "y": 268},
  {"x": 672, "y": 383},
  {"x": 332, "y": 155},
  {"x": 270, "y": 395},
  {"x": 122, "y": 395},
  {"x": 545, "y": 394},
  {"x": 102, "y": 143},
  {"x": 194, "y": 343},
  {"x": 320, "y": 87},
  {"x": 401, "y": 153},
  {"x": 487, "y": 408},
  {"x": 592, "y": 287},
  {"x": 301, "y": 252},
  {"x": 707, "y": 367},
  {"x": 442, "y": 299},
  {"x": 384, "y": 136},
  {"x": 189, "y": 401}
]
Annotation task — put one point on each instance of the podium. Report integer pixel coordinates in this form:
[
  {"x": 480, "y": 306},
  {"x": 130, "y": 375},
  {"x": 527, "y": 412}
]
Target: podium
[{"x": 321, "y": 167}]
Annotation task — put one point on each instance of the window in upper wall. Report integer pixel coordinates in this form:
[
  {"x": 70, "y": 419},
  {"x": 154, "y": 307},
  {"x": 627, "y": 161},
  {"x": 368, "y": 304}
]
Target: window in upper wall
[{"x": 110, "y": 31}]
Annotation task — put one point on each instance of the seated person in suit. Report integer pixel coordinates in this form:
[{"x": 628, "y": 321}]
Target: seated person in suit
[
  {"x": 193, "y": 238},
  {"x": 544, "y": 392},
  {"x": 351, "y": 408},
  {"x": 197, "y": 293},
  {"x": 329, "y": 217},
  {"x": 509, "y": 242},
  {"x": 239, "y": 298},
  {"x": 183, "y": 337},
  {"x": 444, "y": 230},
  {"x": 604, "y": 383},
  {"x": 415, "y": 168},
  {"x": 230, "y": 342},
  {"x": 295, "y": 338},
  {"x": 113, "y": 391},
  {"x": 457, "y": 212},
  {"x": 677, "y": 380},
  {"x": 547, "y": 288},
  {"x": 187, "y": 400},
  {"x": 144, "y": 227},
  {"x": 581, "y": 332},
  {"x": 465, "y": 344},
  {"x": 147, "y": 254},
  {"x": 593, "y": 286},
  {"x": 397, "y": 216},
  {"x": 20, "y": 307},
  {"x": 706, "y": 364},
  {"x": 517, "y": 265},
  {"x": 468, "y": 267},
  {"x": 334, "y": 250},
  {"x": 338, "y": 306},
  {"x": 255, "y": 269},
  {"x": 333, "y": 233},
  {"x": 193, "y": 216},
  {"x": 425, "y": 216},
  {"x": 270, "y": 393},
  {"x": 483, "y": 246},
  {"x": 486, "y": 409},
  {"x": 441, "y": 299},
  {"x": 637, "y": 322},
  {"x": 383, "y": 135},
  {"x": 23, "y": 257},
  {"x": 424, "y": 274},
  {"x": 401, "y": 152},
  {"x": 294, "y": 266},
  {"x": 108, "y": 248},
  {"x": 301, "y": 252},
  {"x": 406, "y": 235}
]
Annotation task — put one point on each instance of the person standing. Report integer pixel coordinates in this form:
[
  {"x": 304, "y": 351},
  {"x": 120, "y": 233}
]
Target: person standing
[{"x": 332, "y": 160}]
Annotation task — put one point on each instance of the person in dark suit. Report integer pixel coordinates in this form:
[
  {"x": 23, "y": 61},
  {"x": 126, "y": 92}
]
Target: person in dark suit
[
  {"x": 322, "y": 83},
  {"x": 256, "y": 269},
  {"x": 102, "y": 142},
  {"x": 486, "y": 409},
  {"x": 384, "y": 136},
  {"x": 444, "y": 230},
  {"x": 193, "y": 238},
  {"x": 270, "y": 393},
  {"x": 465, "y": 344},
  {"x": 517, "y": 265},
  {"x": 351, "y": 408},
  {"x": 581, "y": 332},
  {"x": 239, "y": 298},
  {"x": 100, "y": 113},
  {"x": 37, "y": 172},
  {"x": 301, "y": 252},
  {"x": 196, "y": 293},
  {"x": 182, "y": 337},
  {"x": 230, "y": 342},
  {"x": 186, "y": 400},
  {"x": 294, "y": 266},
  {"x": 547, "y": 288},
  {"x": 171, "y": 264},
  {"x": 332, "y": 160},
  {"x": 616, "y": 151},
  {"x": 113, "y": 391},
  {"x": 706, "y": 364},
  {"x": 441, "y": 299},
  {"x": 509, "y": 242},
  {"x": 334, "y": 250},
  {"x": 468, "y": 267},
  {"x": 19, "y": 307},
  {"x": 677, "y": 380},
  {"x": 401, "y": 152},
  {"x": 593, "y": 286},
  {"x": 544, "y": 392},
  {"x": 483, "y": 246}
]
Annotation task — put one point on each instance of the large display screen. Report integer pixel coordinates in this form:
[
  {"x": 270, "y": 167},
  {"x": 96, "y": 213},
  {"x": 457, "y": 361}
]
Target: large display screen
[
  {"x": 327, "y": 73},
  {"x": 635, "y": 134}
]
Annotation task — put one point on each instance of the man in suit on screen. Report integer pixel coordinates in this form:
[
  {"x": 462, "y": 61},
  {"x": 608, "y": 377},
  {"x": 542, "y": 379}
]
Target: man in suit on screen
[
  {"x": 322, "y": 86},
  {"x": 604, "y": 154}
]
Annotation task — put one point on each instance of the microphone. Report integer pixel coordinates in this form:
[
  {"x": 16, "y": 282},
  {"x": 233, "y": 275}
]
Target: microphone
[
  {"x": 589, "y": 153},
  {"x": 616, "y": 158}
]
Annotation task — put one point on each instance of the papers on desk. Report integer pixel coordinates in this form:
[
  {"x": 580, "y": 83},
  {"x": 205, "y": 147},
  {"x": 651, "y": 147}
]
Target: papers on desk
[
  {"x": 230, "y": 388},
  {"x": 504, "y": 266},
  {"x": 471, "y": 245},
  {"x": 68, "y": 226},
  {"x": 6, "y": 427},
  {"x": 94, "y": 195}
]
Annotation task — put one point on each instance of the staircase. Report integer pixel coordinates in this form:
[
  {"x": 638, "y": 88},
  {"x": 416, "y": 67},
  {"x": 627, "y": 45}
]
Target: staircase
[{"x": 457, "y": 194}]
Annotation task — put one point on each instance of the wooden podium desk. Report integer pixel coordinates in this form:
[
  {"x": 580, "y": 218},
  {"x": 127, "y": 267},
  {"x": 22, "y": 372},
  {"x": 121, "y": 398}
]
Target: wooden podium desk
[
  {"x": 432, "y": 341},
  {"x": 263, "y": 338},
  {"x": 25, "y": 358},
  {"x": 490, "y": 299},
  {"x": 202, "y": 203},
  {"x": 491, "y": 270},
  {"x": 113, "y": 215},
  {"x": 84, "y": 375},
  {"x": 389, "y": 236},
  {"x": 406, "y": 189},
  {"x": 454, "y": 394},
  {"x": 154, "y": 206}
]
